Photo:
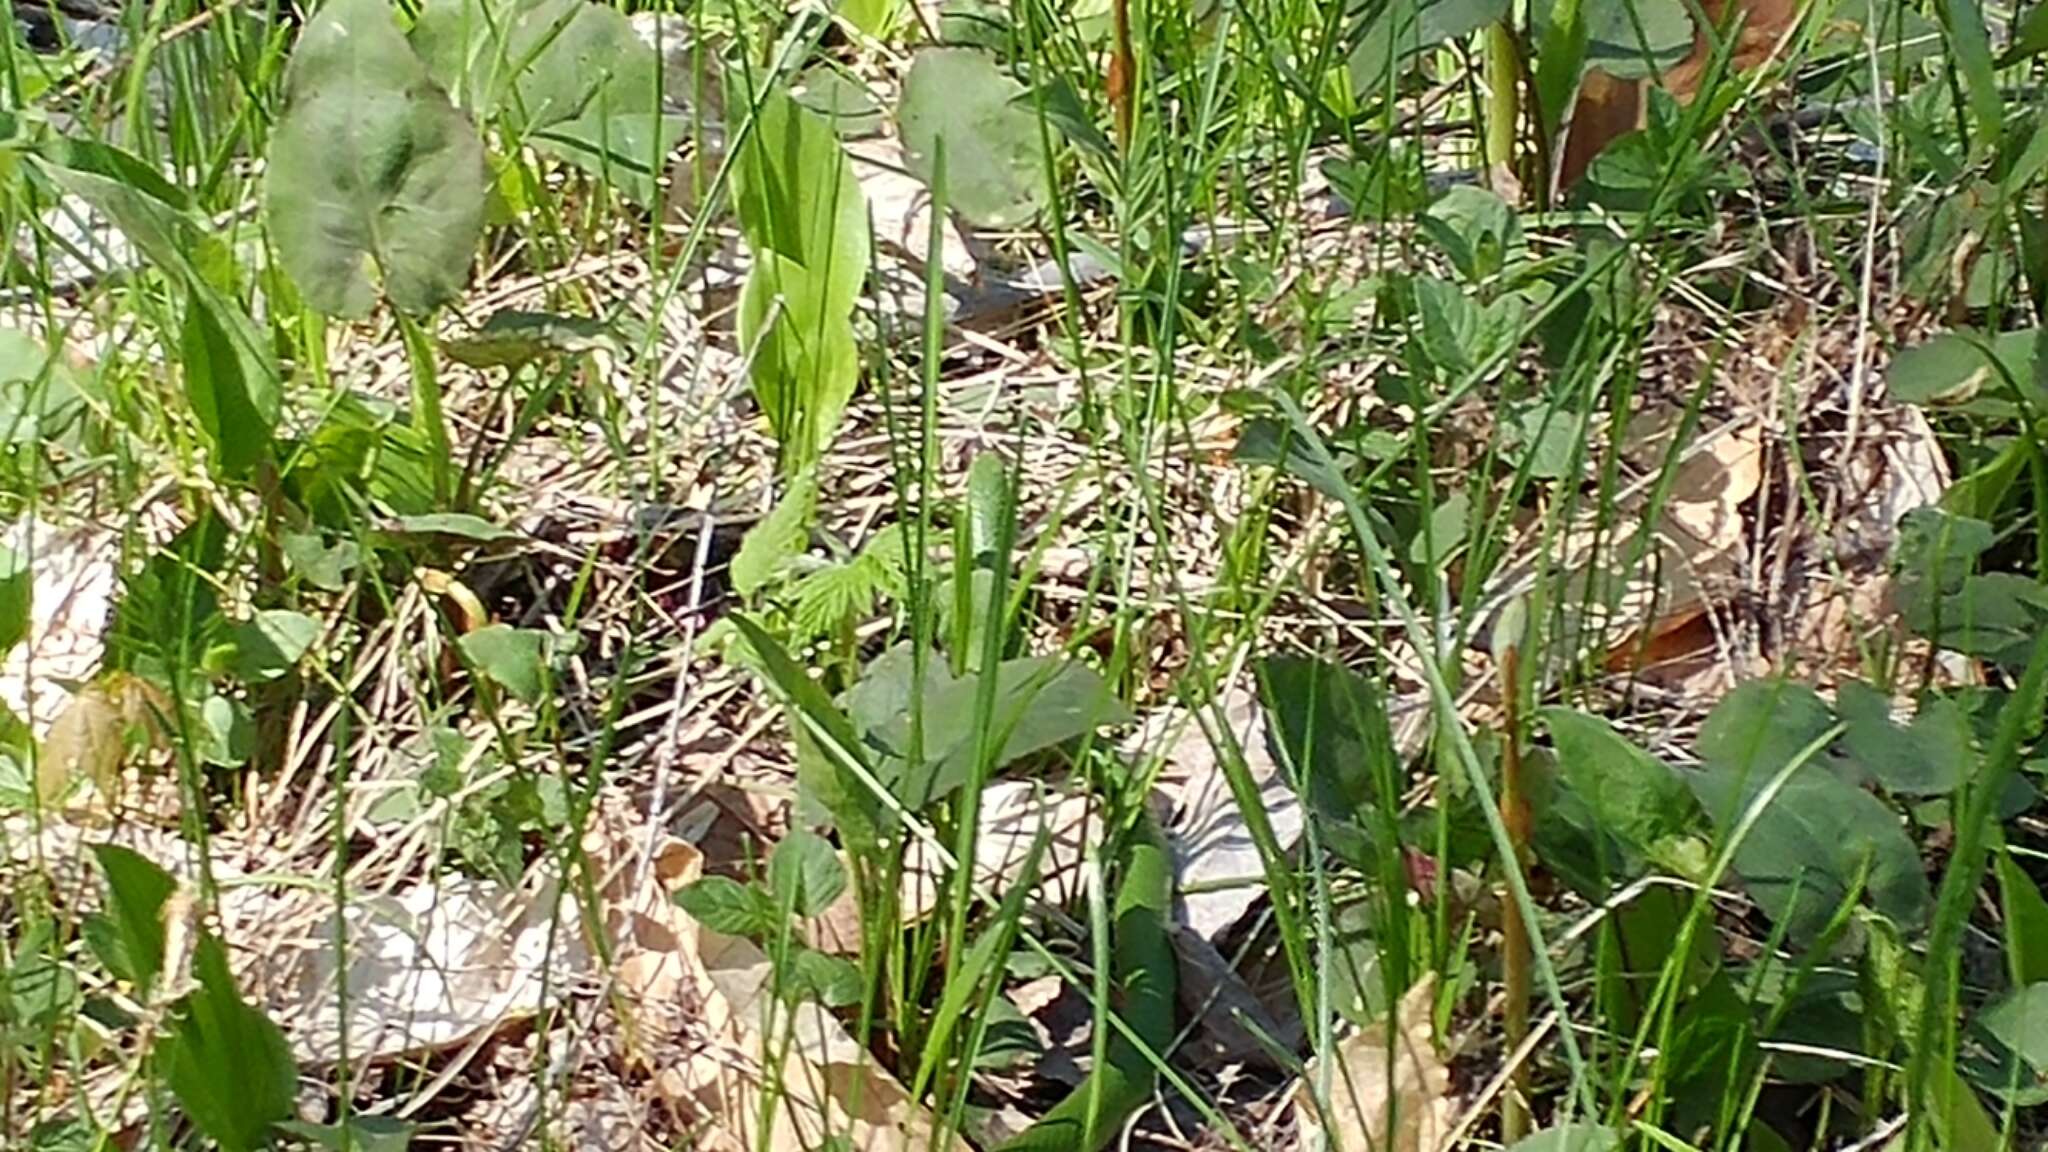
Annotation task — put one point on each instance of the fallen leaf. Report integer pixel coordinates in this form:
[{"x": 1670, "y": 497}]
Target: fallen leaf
[
  {"x": 84, "y": 743},
  {"x": 1012, "y": 816},
  {"x": 1219, "y": 871},
  {"x": 72, "y": 588},
  {"x": 1387, "y": 1093},
  {"x": 901, "y": 207},
  {"x": 813, "y": 1078},
  {"x": 433, "y": 966}
]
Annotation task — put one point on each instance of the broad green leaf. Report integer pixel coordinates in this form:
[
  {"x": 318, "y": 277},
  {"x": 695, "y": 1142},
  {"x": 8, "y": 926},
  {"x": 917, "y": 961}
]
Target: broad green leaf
[
  {"x": 359, "y": 1133},
  {"x": 512, "y": 337},
  {"x": 804, "y": 873},
  {"x": 1819, "y": 834},
  {"x": 41, "y": 990},
  {"x": 232, "y": 393},
  {"x": 833, "y": 981},
  {"x": 1929, "y": 758},
  {"x": 129, "y": 936},
  {"x": 961, "y": 99},
  {"x": 1760, "y": 726},
  {"x": 779, "y": 537},
  {"x": 1402, "y": 29},
  {"x": 324, "y": 566},
  {"x": 1475, "y": 228},
  {"x": 1632, "y": 794},
  {"x": 1444, "y": 534},
  {"x": 515, "y": 658},
  {"x": 1995, "y": 615},
  {"x": 269, "y": 644},
  {"x": 797, "y": 197},
  {"x": 17, "y": 588},
  {"x": 2025, "y": 913},
  {"x": 1956, "y": 367},
  {"x": 845, "y": 103},
  {"x": 723, "y": 904},
  {"x": 1040, "y": 701},
  {"x": 2015, "y": 1028},
  {"x": 1457, "y": 334},
  {"x": 871, "y": 17},
  {"x": 539, "y": 63},
  {"x": 627, "y": 151},
  {"x": 39, "y": 395},
  {"x": 226, "y": 1062},
  {"x": 1571, "y": 1138},
  {"x": 371, "y": 170},
  {"x": 1329, "y": 725},
  {"x": 803, "y": 363},
  {"x": 834, "y": 595}
]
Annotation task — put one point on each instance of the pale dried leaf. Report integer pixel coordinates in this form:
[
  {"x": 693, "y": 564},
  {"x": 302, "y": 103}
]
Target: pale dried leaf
[
  {"x": 433, "y": 966},
  {"x": 901, "y": 208},
  {"x": 1219, "y": 870},
  {"x": 1387, "y": 1094},
  {"x": 825, "y": 1082},
  {"x": 83, "y": 743},
  {"x": 73, "y": 588},
  {"x": 1014, "y": 813}
]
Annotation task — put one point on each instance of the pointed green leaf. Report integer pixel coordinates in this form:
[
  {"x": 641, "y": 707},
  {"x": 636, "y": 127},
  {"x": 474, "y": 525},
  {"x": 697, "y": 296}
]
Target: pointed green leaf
[
  {"x": 131, "y": 941},
  {"x": 804, "y": 873},
  {"x": 226, "y": 1062},
  {"x": 2026, "y": 922}
]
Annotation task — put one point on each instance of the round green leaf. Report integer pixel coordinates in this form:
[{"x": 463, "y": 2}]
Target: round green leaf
[
  {"x": 371, "y": 169},
  {"x": 514, "y": 657},
  {"x": 995, "y": 165}
]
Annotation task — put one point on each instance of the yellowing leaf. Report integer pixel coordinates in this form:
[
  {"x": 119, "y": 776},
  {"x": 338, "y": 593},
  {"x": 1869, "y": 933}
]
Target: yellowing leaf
[
  {"x": 84, "y": 742},
  {"x": 1387, "y": 1093}
]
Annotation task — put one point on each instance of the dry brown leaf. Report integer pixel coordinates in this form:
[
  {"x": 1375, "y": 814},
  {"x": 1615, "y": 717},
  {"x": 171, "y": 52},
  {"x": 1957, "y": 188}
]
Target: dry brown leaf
[{"x": 1387, "y": 1094}]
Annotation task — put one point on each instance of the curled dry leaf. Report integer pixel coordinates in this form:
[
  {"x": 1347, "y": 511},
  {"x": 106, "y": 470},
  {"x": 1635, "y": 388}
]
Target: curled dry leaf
[
  {"x": 1388, "y": 1092},
  {"x": 821, "y": 1081}
]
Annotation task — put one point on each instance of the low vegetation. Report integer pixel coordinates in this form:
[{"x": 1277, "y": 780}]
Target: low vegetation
[{"x": 899, "y": 575}]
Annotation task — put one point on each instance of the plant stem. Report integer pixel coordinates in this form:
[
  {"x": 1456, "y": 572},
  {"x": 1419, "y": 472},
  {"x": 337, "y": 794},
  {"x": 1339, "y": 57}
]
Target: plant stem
[
  {"x": 1514, "y": 933},
  {"x": 1123, "y": 72},
  {"x": 1503, "y": 100}
]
